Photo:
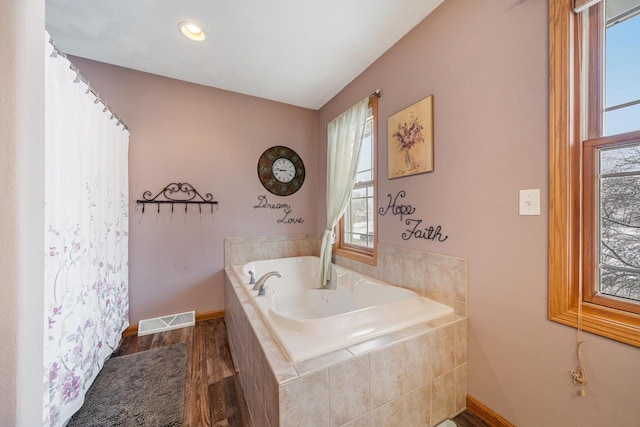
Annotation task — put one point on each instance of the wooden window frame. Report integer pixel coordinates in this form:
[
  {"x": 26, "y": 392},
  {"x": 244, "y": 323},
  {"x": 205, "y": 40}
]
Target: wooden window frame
[
  {"x": 566, "y": 186},
  {"x": 356, "y": 252},
  {"x": 590, "y": 235}
]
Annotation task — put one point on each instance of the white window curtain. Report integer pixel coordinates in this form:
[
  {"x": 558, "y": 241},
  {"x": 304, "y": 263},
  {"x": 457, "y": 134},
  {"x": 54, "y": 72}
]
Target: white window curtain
[
  {"x": 344, "y": 135},
  {"x": 86, "y": 238}
]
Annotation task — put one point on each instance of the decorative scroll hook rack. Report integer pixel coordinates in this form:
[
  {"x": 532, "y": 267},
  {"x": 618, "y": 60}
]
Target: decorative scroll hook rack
[{"x": 178, "y": 192}]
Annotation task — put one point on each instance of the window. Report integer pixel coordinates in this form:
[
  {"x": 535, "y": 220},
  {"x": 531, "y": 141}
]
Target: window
[
  {"x": 594, "y": 169},
  {"x": 357, "y": 228}
]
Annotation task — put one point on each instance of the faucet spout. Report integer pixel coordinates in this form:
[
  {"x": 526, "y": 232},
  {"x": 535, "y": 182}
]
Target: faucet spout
[{"x": 261, "y": 281}]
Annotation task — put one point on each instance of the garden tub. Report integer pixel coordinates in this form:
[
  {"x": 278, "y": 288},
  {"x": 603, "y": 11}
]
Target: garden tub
[{"x": 309, "y": 322}]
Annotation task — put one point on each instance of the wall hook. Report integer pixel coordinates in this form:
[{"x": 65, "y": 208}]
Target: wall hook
[{"x": 180, "y": 192}]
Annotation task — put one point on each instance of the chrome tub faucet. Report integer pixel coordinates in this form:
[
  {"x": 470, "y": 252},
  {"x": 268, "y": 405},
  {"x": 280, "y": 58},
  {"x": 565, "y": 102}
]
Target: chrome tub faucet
[{"x": 259, "y": 286}]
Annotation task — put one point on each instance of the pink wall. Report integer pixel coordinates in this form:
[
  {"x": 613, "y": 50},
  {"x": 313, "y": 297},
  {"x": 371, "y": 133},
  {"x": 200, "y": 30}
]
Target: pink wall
[
  {"x": 485, "y": 62},
  {"x": 212, "y": 139}
]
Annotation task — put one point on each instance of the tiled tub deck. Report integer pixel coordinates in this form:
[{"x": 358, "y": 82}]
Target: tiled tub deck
[{"x": 414, "y": 377}]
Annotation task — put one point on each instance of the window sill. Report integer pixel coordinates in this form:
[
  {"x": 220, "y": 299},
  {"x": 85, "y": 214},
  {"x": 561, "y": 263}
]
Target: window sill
[
  {"x": 607, "y": 322},
  {"x": 357, "y": 254}
]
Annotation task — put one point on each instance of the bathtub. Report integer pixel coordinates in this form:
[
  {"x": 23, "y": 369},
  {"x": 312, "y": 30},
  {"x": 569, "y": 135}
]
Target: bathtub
[{"x": 309, "y": 322}]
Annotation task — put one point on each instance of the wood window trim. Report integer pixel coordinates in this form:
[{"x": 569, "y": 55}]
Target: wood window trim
[
  {"x": 355, "y": 252},
  {"x": 565, "y": 180},
  {"x": 595, "y": 99}
]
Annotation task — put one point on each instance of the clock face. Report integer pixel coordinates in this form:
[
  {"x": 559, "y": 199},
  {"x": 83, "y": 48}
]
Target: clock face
[{"x": 281, "y": 171}]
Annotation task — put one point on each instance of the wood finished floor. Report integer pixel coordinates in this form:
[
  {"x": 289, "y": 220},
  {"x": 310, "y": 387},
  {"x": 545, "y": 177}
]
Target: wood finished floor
[
  {"x": 213, "y": 396},
  {"x": 467, "y": 419}
]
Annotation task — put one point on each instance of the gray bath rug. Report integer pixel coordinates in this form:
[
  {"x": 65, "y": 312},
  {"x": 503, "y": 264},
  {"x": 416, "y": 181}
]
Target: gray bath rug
[{"x": 140, "y": 389}]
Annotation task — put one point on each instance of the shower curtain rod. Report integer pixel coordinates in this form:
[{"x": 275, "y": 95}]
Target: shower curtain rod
[{"x": 80, "y": 78}]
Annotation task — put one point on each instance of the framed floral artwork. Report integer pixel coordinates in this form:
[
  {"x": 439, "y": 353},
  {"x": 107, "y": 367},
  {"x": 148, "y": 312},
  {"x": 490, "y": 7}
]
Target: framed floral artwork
[{"x": 411, "y": 140}]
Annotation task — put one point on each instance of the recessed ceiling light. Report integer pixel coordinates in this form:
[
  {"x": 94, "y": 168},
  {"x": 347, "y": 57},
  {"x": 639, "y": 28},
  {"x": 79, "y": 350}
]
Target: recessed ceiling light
[{"x": 191, "y": 31}]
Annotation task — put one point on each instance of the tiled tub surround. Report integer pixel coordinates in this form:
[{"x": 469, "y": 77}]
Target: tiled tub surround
[
  {"x": 414, "y": 377},
  {"x": 241, "y": 250},
  {"x": 309, "y": 322}
]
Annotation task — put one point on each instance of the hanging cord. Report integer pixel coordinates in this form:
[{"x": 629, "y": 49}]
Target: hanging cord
[{"x": 579, "y": 374}]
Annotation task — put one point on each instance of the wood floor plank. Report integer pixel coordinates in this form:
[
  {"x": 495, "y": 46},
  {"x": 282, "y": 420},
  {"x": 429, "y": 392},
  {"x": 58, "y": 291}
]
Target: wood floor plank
[
  {"x": 144, "y": 343},
  {"x": 200, "y": 411},
  {"x": 125, "y": 347},
  {"x": 237, "y": 411},
  {"x": 467, "y": 419},
  {"x": 187, "y": 412},
  {"x": 225, "y": 360},
  {"x": 218, "y": 405},
  {"x": 213, "y": 367}
]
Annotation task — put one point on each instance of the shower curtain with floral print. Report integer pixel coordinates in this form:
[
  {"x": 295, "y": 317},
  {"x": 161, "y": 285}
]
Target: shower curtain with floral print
[{"x": 86, "y": 237}]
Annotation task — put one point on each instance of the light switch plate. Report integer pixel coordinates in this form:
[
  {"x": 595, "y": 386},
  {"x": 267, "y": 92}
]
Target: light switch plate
[{"x": 530, "y": 202}]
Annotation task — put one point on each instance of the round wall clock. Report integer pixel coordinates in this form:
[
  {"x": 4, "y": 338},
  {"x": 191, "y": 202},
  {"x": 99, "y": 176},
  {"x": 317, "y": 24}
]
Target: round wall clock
[{"x": 281, "y": 170}]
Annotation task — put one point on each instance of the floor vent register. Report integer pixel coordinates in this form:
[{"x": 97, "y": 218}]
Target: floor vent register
[{"x": 166, "y": 323}]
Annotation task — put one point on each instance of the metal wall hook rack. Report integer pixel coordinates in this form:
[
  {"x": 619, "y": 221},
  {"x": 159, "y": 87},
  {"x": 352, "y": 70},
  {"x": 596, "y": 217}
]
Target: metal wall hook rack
[{"x": 177, "y": 192}]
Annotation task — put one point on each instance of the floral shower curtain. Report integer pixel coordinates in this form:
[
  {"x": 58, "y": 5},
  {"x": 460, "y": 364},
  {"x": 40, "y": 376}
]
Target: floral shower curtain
[{"x": 86, "y": 238}]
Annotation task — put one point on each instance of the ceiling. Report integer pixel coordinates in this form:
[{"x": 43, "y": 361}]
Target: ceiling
[{"x": 300, "y": 52}]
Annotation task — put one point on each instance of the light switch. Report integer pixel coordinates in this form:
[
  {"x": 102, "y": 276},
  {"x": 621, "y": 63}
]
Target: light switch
[{"x": 530, "y": 202}]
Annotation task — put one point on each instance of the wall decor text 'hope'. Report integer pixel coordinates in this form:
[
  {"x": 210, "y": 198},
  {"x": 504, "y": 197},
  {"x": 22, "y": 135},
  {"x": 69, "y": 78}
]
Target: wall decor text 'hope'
[{"x": 415, "y": 230}]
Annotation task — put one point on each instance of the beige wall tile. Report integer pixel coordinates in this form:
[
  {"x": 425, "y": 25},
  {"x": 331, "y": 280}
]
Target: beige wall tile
[
  {"x": 413, "y": 275},
  {"x": 240, "y": 250},
  {"x": 271, "y": 399},
  {"x": 417, "y": 363},
  {"x": 390, "y": 269},
  {"x": 363, "y": 421},
  {"x": 386, "y": 373},
  {"x": 413, "y": 331},
  {"x": 460, "y": 342},
  {"x": 460, "y": 307},
  {"x": 440, "y": 285},
  {"x": 416, "y": 407},
  {"x": 442, "y": 397},
  {"x": 315, "y": 364},
  {"x": 305, "y": 401},
  {"x": 371, "y": 345},
  {"x": 389, "y": 414},
  {"x": 349, "y": 390},
  {"x": 441, "y": 345},
  {"x": 460, "y": 387}
]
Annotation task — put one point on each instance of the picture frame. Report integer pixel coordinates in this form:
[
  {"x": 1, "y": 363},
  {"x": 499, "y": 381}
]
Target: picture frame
[{"x": 410, "y": 140}]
